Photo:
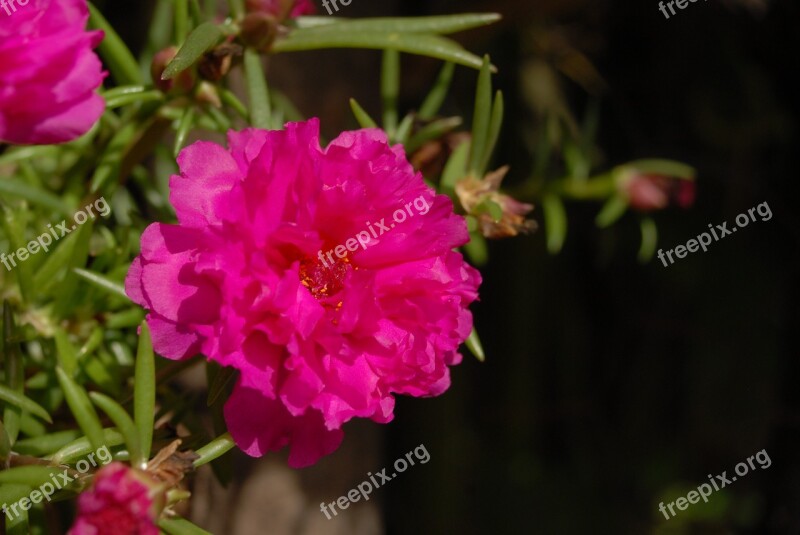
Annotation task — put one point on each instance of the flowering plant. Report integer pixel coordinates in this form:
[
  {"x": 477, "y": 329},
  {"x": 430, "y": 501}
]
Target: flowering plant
[{"x": 313, "y": 280}]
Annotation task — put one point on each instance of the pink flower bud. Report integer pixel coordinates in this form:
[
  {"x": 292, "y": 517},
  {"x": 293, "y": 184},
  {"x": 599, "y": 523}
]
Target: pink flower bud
[
  {"x": 651, "y": 192},
  {"x": 122, "y": 501}
]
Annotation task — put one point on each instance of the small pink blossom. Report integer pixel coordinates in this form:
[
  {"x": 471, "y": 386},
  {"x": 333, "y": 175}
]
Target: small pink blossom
[
  {"x": 120, "y": 502},
  {"x": 239, "y": 280},
  {"x": 651, "y": 192},
  {"x": 48, "y": 72}
]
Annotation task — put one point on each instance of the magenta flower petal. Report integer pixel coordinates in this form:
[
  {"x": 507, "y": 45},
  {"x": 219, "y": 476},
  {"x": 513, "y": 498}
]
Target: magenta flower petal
[
  {"x": 48, "y": 73},
  {"x": 249, "y": 278},
  {"x": 306, "y": 435}
]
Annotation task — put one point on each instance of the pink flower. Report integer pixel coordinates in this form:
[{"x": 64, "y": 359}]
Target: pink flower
[
  {"x": 48, "y": 72},
  {"x": 240, "y": 280},
  {"x": 651, "y": 192},
  {"x": 278, "y": 8},
  {"x": 120, "y": 502}
]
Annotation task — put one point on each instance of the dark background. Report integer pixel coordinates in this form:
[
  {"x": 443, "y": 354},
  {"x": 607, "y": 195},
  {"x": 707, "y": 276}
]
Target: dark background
[{"x": 609, "y": 386}]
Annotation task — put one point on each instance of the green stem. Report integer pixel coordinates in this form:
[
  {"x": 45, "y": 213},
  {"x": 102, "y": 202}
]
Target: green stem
[
  {"x": 214, "y": 449},
  {"x": 600, "y": 187},
  {"x": 390, "y": 87}
]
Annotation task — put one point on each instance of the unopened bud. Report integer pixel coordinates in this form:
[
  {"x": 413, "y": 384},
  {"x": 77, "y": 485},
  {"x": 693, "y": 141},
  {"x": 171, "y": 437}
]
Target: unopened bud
[
  {"x": 207, "y": 93},
  {"x": 259, "y": 30},
  {"x": 215, "y": 64},
  {"x": 651, "y": 192},
  {"x": 183, "y": 82}
]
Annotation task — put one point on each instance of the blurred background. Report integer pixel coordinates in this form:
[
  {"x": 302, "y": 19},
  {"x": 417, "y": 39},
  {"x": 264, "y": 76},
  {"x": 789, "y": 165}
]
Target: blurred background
[{"x": 609, "y": 385}]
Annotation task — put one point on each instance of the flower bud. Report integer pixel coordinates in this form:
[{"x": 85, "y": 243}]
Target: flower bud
[
  {"x": 121, "y": 500},
  {"x": 215, "y": 64},
  {"x": 183, "y": 82},
  {"x": 499, "y": 215},
  {"x": 651, "y": 192},
  {"x": 259, "y": 30}
]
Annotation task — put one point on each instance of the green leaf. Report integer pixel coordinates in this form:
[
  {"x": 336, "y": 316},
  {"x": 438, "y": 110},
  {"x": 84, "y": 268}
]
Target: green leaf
[
  {"x": 477, "y": 249},
  {"x": 110, "y": 160},
  {"x": 214, "y": 449},
  {"x": 257, "y": 91},
  {"x": 184, "y": 126},
  {"x": 115, "y": 54},
  {"x": 434, "y": 130},
  {"x": 200, "y": 41},
  {"x": 46, "y": 444},
  {"x": 495, "y": 124},
  {"x": 14, "y": 223},
  {"x": 664, "y": 167},
  {"x": 38, "y": 196},
  {"x": 180, "y": 526},
  {"x": 481, "y": 117},
  {"x": 102, "y": 282},
  {"x": 219, "y": 118},
  {"x": 124, "y": 424},
  {"x": 125, "y": 318},
  {"x": 390, "y": 87},
  {"x": 46, "y": 279},
  {"x": 362, "y": 116},
  {"x": 14, "y": 372},
  {"x": 443, "y": 24},
  {"x": 10, "y": 493},
  {"x": 144, "y": 393},
  {"x": 424, "y": 45},
  {"x": 102, "y": 370},
  {"x": 230, "y": 99},
  {"x": 433, "y": 102},
  {"x": 132, "y": 98},
  {"x": 237, "y": 8},
  {"x": 92, "y": 343},
  {"x": 23, "y": 402},
  {"x": 68, "y": 296},
  {"x": 555, "y": 222},
  {"x": 649, "y": 240},
  {"x": 67, "y": 355},
  {"x": 82, "y": 447},
  {"x": 612, "y": 210},
  {"x": 5, "y": 443},
  {"x": 81, "y": 408},
  {"x": 455, "y": 169},
  {"x": 404, "y": 129},
  {"x": 181, "y": 20},
  {"x": 31, "y": 475},
  {"x": 19, "y": 525},
  {"x": 474, "y": 345}
]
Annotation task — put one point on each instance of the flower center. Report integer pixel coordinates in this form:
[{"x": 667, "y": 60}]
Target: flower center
[{"x": 324, "y": 282}]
